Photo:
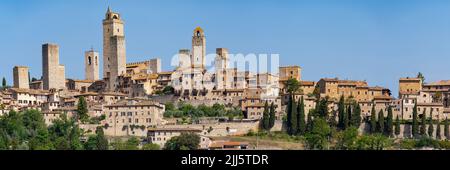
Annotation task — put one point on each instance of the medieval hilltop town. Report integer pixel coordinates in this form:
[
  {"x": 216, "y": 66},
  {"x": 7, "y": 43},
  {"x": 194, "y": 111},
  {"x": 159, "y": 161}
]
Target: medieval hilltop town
[{"x": 133, "y": 99}]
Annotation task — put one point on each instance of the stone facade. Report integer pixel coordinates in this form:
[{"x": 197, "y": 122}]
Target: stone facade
[
  {"x": 52, "y": 72},
  {"x": 132, "y": 117},
  {"x": 21, "y": 77}
]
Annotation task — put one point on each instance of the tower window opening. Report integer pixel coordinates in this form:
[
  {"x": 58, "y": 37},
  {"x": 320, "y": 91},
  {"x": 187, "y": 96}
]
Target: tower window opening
[
  {"x": 89, "y": 60},
  {"x": 115, "y": 17},
  {"x": 198, "y": 33}
]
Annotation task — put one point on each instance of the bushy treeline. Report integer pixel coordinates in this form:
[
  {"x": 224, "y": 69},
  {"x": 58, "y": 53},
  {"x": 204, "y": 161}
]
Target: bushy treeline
[
  {"x": 27, "y": 131},
  {"x": 187, "y": 110}
]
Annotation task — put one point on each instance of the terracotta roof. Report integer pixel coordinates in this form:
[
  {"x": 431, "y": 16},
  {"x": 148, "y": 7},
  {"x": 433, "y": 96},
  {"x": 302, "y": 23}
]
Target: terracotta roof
[
  {"x": 307, "y": 83},
  {"x": 439, "y": 83},
  {"x": 165, "y": 73},
  {"x": 330, "y": 80},
  {"x": 134, "y": 102},
  {"x": 84, "y": 81},
  {"x": 30, "y": 91},
  {"x": 383, "y": 98}
]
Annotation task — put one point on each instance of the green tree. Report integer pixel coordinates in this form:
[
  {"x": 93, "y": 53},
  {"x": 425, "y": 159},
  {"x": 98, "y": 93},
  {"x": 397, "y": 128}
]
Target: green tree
[
  {"x": 381, "y": 122},
  {"x": 346, "y": 140},
  {"x": 397, "y": 126},
  {"x": 415, "y": 123},
  {"x": 430, "y": 128},
  {"x": 446, "y": 130},
  {"x": 100, "y": 140},
  {"x": 322, "y": 108},
  {"x": 309, "y": 121},
  {"x": 390, "y": 122},
  {"x": 74, "y": 138},
  {"x": 82, "y": 110},
  {"x": 438, "y": 130},
  {"x": 347, "y": 117},
  {"x": 301, "y": 117},
  {"x": 341, "y": 112},
  {"x": 168, "y": 90},
  {"x": 65, "y": 133},
  {"x": 318, "y": 137},
  {"x": 151, "y": 146},
  {"x": 292, "y": 86},
  {"x": 4, "y": 82},
  {"x": 186, "y": 141},
  {"x": 356, "y": 118},
  {"x": 421, "y": 77},
  {"x": 289, "y": 113},
  {"x": 373, "y": 120},
  {"x": 423, "y": 125},
  {"x": 294, "y": 115},
  {"x": 272, "y": 116},
  {"x": 265, "y": 119}
]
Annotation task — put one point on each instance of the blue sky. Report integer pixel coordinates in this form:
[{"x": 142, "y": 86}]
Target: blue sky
[{"x": 374, "y": 40}]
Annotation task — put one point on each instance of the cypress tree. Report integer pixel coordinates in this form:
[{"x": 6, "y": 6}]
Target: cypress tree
[
  {"x": 397, "y": 126},
  {"x": 373, "y": 120},
  {"x": 390, "y": 122},
  {"x": 347, "y": 117},
  {"x": 294, "y": 123},
  {"x": 309, "y": 121},
  {"x": 272, "y": 116},
  {"x": 430, "y": 128},
  {"x": 265, "y": 118},
  {"x": 438, "y": 130},
  {"x": 301, "y": 117},
  {"x": 4, "y": 82},
  {"x": 341, "y": 112},
  {"x": 446, "y": 132},
  {"x": 381, "y": 122},
  {"x": 423, "y": 124},
  {"x": 289, "y": 113},
  {"x": 415, "y": 123},
  {"x": 356, "y": 118}
]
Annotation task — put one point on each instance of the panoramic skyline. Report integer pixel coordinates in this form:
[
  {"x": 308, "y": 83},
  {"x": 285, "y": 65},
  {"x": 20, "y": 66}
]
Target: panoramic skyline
[{"x": 377, "y": 41}]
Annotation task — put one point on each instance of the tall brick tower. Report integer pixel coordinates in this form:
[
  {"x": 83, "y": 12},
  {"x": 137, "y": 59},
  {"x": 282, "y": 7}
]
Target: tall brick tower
[
  {"x": 52, "y": 72},
  {"x": 91, "y": 65},
  {"x": 114, "y": 55},
  {"x": 21, "y": 78},
  {"x": 198, "y": 49}
]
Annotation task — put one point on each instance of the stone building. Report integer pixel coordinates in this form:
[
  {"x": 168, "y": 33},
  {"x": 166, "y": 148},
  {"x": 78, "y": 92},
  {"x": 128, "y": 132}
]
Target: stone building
[
  {"x": 114, "y": 52},
  {"x": 91, "y": 62},
  {"x": 288, "y": 72},
  {"x": 132, "y": 117},
  {"x": 21, "y": 77},
  {"x": 409, "y": 85},
  {"x": 52, "y": 72}
]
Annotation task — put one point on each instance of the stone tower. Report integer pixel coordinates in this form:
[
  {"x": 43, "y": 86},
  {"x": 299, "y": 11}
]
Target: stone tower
[
  {"x": 198, "y": 48},
  {"x": 52, "y": 72},
  {"x": 114, "y": 55},
  {"x": 91, "y": 65},
  {"x": 221, "y": 64},
  {"x": 21, "y": 79}
]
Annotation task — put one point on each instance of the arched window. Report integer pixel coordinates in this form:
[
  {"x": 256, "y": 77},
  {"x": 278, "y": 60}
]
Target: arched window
[
  {"x": 115, "y": 17},
  {"x": 198, "y": 33},
  {"x": 89, "y": 60},
  {"x": 96, "y": 60}
]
